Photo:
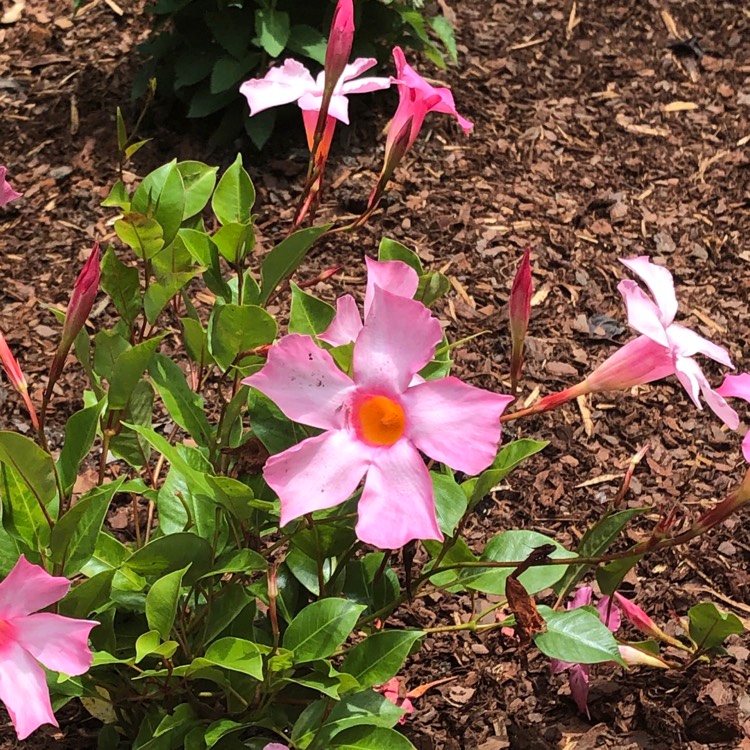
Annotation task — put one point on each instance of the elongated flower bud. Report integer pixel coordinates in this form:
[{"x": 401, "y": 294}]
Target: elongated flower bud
[
  {"x": 79, "y": 308},
  {"x": 16, "y": 378},
  {"x": 636, "y": 657},
  {"x": 638, "y": 618},
  {"x": 340, "y": 41},
  {"x": 520, "y": 312}
]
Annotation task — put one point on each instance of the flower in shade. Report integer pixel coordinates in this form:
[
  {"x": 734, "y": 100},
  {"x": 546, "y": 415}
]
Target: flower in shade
[
  {"x": 737, "y": 386},
  {"x": 394, "y": 276},
  {"x": 293, "y": 82},
  {"x": 7, "y": 194},
  {"x": 609, "y": 614},
  {"x": 664, "y": 347},
  {"x": 376, "y": 423},
  {"x": 29, "y": 638}
]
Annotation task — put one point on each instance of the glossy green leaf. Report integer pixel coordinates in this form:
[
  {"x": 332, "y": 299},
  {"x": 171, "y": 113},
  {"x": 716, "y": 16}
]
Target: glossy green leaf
[
  {"x": 130, "y": 366},
  {"x": 159, "y": 293},
  {"x": 370, "y": 738},
  {"x": 22, "y": 517},
  {"x": 450, "y": 501},
  {"x": 710, "y": 627},
  {"x": 284, "y": 259},
  {"x": 380, "y": 656},
  {"x": 80, "y": 431},
  {"x": 234, "y": 241},
  {"x": 237, "y": 655},
  {"x": 309, "y": 315},
  {"x": 122, "y": 284},
  {"x": 234, "y": 196},
  {"x": 169, "y": 553},
  {"x": 272, "y": 29},
  {"x": 143, "y": 235},
  {"x": 199, "y": 180},
  {"x": 233, "y": 329},
  {"x": 320, "y": 628},
  {"x": 392, "y": 250},
  {"x": 33, "y": 465},
  {"x": 87, "y": 597},
  {"x": 162, "y": 600}
]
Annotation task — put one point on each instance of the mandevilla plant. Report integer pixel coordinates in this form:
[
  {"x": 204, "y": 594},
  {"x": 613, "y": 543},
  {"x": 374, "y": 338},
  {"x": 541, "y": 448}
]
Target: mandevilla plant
[{"x": 252, "y": 605}]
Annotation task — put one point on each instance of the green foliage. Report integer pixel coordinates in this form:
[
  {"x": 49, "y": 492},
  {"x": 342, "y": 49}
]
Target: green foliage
[{"x": 200, "y": 51}]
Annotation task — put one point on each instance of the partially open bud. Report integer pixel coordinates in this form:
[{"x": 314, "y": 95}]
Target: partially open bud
[
  {"x": 639, "y": 619},
  {"x": 520, "y": 312},
  {"x": 16, "y": 377}
]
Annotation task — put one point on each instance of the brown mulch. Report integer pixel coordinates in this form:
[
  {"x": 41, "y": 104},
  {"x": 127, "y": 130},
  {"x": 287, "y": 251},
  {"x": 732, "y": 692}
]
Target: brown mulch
[{"x": 594, "y": 140}]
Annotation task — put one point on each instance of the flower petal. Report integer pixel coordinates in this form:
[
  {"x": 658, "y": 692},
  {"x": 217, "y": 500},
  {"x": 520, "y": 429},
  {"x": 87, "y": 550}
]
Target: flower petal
[
  {"x": 639, "y": 361},
  {"x": 23, "y": 690},
  {"x": 338, "y": 108},
  {"x": 355, "y": 68},
  {"x": 28, "y": 588},
  {"x": 7, "y": 194},
  {"x": 695, "y": 383},
  {"x": 581, "y": 598},
  {"x": 281, "y": 85},
  {"x": 303, "y": 381},
  {"x": 346, "y": 324},
  {"x": 317, "y": 473},
  {"x": 660, "y": 283},
  {"x": 366, "y": 85},
  {"x": 746, "y": 446},
  {"x": 397, "y": 341},
  {"x": 455, "y": 423},
  {"x": 394, "y": 276},
  {"x": 687, "y": 343},
  {"x": 578, "y": 679},
  {"x": 643, "y": 314},
  {"x": 609, "y": 613},
  {"x": 59, "y": 643},
  {"x": 397, "y": 503},
  {"x": 735, "y": 386}
]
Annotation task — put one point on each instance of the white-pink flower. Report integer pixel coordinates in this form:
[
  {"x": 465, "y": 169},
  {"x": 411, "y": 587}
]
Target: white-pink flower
[
  {"x": 293, "y": 82},
  {"x": 7, "y": 194},
  {"x": 738, "y": 386},
  {"x": 664, "y": 347},
  {"x": 29, "y": 637},
  {"x": 394, "y": 276},
  {"x": 376, "y": 423}
]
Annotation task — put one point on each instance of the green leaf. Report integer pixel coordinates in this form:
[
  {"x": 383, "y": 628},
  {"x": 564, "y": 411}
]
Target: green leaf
[
  {"x": 169, "y": 553},
  {"x": 309, "y": 315},
  {"x": 577, "y": 636},
  {"x": 131, "y": 364},
  {"x": 233, "y": 329},
  {"x": 370, "y": 738},
  {"x": 160, "y": 292},
  {"x": 229, "y": 72},
  {"x": 380, "y": 656},
  {"x": 320, "y": 628},
  {"x": 307, "y": 41},
  {"x": 22, "y": 517},
  {"x": 149, "y": 644},
  {"x": 87, "y": 597},
  {"x": 510, "y": 546},
  {"x": 32, "y": 464},
  {"x": 234, "y": 241},
  {"x": 234, "y": 196},
  {"x": 170, "y": 203},
  {"x": 393, "y": 250},
  {"x": 238, "y": 655},
  {"x": 710, "y": 627},
  {"x": 272, "y": 28},
  {"x": 450, "y": 501},
  {"x": 432, "y": 286},
  {"x": 127, "y": 444},
  {"x": 284, "y": 259},
  {"x": 199, "y": 181},
  {"x": 134, "y": 148},
  {"x": 610, "y": 576},
  {"x": 143, "y": 235},
  {"x": 161, "y": 602},
  {"x": 80, "y": 431},
  {"x": 73, "y": 540},
  {"x": 122, "y": 284},
  {"x": 510, "y": 456},
  {"x": 109, "y": 346},
  {"x": 595, "y": 542},
  {"x": 367, "y": 585},
  {"x": 118, "y": 197},
  {"x": 122, "y": 133},
  {"x": 195, "y": 339},
  {"x": 238, "y": 561},
  {"x": 271, "y": 426},
  {"x": 444, "y": 30},
  {"x": 184, "y": 405}
]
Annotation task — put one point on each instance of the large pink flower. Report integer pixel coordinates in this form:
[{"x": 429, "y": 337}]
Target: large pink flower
[
  {"x": 376, "y": 423},
  {"x": 28, "y": 637},
  {"x": 394, "y": 276},
  {"x": 293, "y": 82},
  {"x": 738, "y": 386},
  {"x": 7, "y": 194},
  {"x": 664, "y": 347}
]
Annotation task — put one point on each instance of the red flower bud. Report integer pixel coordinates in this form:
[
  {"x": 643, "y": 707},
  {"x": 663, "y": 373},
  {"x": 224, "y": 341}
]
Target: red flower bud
[
  {"x": 16, "y": 377},
  {"x": 340, "y": 42},
  {"x": 520, "y": 312}
]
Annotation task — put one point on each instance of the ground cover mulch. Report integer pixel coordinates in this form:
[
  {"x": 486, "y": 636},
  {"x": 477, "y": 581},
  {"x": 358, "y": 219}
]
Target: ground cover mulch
[{"x": 597, "y": 136}]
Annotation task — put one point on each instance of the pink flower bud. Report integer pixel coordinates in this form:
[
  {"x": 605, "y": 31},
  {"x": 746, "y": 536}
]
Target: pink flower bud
[
  {"x": 636, "y": 616},
  {"x": 7, "y": 194},
  {"x": 340, "y": 42},
  {"x": 81, "y": 301},
  {"x": 520, "y": 312},
  {"x": 16, "y": 377},
  {"x": 636, "y": 657}
]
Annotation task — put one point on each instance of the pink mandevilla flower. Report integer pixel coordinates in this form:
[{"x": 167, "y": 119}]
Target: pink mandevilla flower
[
  {"x": 293, "y": 82},
  {"x": 7, "y": 194},
  {"x": 394, "y": 276},
  {"x": 28, "y": 637},
  {"x": 275, "y": 746},
  {"x": 738, "y": 386},
  {"x": 376, "y": 423}
]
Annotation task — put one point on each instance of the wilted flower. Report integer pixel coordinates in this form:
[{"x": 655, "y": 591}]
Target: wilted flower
[
  {"x": 28, "y": 637},
  {"x": 7, "y": 194},
  {"x": 376, "y": 423},
  {"x": 393, "y": 276},
  {"x": 392, "y": 691}
]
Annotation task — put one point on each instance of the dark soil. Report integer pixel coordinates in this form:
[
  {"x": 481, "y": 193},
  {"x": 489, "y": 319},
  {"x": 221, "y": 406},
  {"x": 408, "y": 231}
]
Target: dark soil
[{"x": 594, "y": 140}]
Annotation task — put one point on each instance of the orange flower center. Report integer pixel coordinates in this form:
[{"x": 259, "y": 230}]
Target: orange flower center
[{"x": 379, "y": 420}]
